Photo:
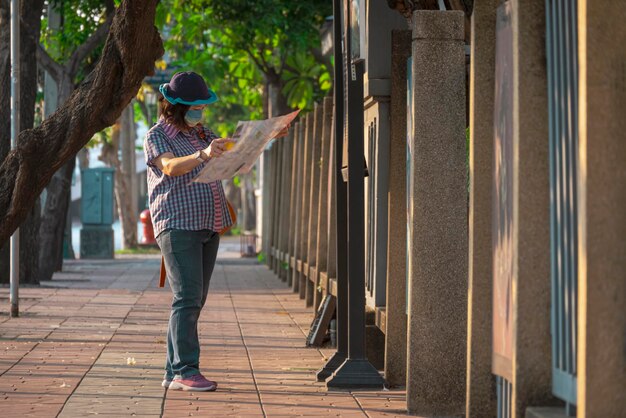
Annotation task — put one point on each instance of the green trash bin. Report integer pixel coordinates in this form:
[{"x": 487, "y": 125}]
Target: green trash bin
[{"x": 96, "y": 213}]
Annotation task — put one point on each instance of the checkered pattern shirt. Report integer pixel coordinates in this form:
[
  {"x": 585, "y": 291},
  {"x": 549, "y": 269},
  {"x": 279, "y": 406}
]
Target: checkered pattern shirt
[{"x": 176, "y": 202}]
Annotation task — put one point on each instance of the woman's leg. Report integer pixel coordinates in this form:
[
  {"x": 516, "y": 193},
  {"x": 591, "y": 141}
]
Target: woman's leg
[
  {"x": 183, "y": 254},
  {"x": 209, "y": 254}
]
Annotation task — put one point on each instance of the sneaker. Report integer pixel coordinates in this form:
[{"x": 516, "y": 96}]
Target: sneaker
[
  {"x": 196, "y": 382},
  {"x": 166, "y": 383}
]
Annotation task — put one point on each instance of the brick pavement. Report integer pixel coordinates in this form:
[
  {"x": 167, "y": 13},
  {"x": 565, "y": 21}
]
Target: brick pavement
[{"x": 67, "y": 355}]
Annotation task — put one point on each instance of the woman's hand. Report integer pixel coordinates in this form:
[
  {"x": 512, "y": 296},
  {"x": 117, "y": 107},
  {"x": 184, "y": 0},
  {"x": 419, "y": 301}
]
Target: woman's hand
[
  {"x": 284, "y": 132},
  {"x": 218, "y": 146}
]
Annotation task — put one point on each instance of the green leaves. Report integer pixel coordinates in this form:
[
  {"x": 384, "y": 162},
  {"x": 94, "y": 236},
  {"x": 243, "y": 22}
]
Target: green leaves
[
  {"x": 306, "y": 80},
  {"x": 241, "y": 46}
]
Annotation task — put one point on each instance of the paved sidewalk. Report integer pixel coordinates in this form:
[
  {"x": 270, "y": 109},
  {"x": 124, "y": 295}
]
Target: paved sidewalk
[{"x": 71, "y": 352}]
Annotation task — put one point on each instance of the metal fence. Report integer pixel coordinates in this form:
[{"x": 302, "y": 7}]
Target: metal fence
[
  {"x": 505, "y": 397},
  {"x": 562, "y": 60}
]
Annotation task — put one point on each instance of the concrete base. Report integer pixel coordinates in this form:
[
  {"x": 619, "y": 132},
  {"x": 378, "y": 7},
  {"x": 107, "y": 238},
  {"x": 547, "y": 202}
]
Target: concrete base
[
  {"x": 546, "y": 412},
  {"x": 96, "y": 241},
  {"x": 329, "y": 368},
  {"x": 356, "y": 375}
]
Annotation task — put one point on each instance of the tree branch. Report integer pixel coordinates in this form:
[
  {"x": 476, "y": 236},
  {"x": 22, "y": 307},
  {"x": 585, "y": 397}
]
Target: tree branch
[
  {"x": 88, "y": 46},
  {"x": 49, "y": 64},
  {"x": 132, "y": 47}
]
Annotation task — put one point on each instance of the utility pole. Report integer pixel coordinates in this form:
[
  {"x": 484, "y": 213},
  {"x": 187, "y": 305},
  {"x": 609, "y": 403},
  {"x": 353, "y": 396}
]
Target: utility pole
[{"x": 15, "y": 129}]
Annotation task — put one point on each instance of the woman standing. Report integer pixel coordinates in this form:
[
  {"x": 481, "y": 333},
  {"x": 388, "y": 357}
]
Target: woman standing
[{"x": 186, "y": 216}]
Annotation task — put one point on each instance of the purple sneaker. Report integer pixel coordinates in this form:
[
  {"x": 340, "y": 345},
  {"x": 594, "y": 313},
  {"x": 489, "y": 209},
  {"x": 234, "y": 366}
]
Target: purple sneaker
[{"x": 196, "y": 382}]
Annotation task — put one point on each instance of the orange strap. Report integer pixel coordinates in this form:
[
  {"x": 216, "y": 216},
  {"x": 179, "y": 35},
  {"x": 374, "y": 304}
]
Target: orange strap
[
  {"x": 233, "y": 216},
  {"x": 163, "y": 273}
]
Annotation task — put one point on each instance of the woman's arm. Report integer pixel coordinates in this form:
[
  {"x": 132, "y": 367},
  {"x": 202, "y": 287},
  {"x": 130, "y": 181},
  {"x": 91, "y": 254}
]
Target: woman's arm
[{"x": 178, "y": 166}]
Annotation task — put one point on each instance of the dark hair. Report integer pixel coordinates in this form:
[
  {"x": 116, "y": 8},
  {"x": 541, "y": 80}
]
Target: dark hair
[{"x": 174, "y": 113}]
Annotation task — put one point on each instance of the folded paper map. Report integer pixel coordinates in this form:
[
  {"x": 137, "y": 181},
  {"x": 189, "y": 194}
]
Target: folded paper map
[{"x": 251, "y": 138}]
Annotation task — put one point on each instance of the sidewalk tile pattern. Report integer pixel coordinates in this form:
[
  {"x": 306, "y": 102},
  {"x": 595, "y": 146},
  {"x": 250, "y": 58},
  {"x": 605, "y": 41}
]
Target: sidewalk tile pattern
[{"x": 92, "y": 342}]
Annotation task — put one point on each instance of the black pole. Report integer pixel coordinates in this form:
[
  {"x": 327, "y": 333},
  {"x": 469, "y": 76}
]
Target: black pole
[
  {"x": 356, "y": 372},
  {"x": 341, "y": 198},
  {"x": 356, "y": 215}
]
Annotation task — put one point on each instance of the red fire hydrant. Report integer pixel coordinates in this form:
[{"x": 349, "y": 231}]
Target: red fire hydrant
[{"x": 148, "y": 231}]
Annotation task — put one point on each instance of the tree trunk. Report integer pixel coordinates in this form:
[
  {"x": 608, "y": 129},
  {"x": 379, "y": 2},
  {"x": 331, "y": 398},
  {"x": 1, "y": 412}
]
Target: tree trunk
[
  {"x": 56, "y": 230},
  {"x": 124, "y": 180},
  {"x": 248, "y": 202},
  {"x": 132, "y": 47},
  {"x": 54, "y": 219},
  {"x": 29, "y": 37},
  {"x": 277, "y": 100},
  {"x": 122, "y": 187}
]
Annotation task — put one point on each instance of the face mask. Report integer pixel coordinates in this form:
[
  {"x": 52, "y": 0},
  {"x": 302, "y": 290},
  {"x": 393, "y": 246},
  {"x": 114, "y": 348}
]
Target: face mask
[{"x": 193, "y": 117}]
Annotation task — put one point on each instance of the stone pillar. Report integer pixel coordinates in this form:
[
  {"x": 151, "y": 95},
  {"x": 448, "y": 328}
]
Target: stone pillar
[
  {"x": 314, "y": 172},
  {"x": 395, "y": 332},
  {"x": 273, "y": 196},
  {"x": 331, "y": 253},
  {"x": 298, "y": 222},
  {"x": 437, "y": 244},
  {"x": 270, "y": 213},
  {"x": 531, "y": 201},
  {"x": 276, "y": 199},
  {"x": 322, "y": 210},
  {"x": 284, "y": 212},
  {"x": 481, "y": 395},
  {"x": 267, "y": 204},
  {"x": 294, "y": 206},
  {"x": 305, "y": 202},
  {"x": 602, "y": 213}
]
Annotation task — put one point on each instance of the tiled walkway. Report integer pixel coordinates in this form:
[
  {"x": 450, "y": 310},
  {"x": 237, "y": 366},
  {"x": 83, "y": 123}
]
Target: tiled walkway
[{"x": 93, "y": 343}]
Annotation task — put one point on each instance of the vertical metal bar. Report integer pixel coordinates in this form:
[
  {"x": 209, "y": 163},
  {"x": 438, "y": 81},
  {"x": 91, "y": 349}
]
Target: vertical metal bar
[
  {"x": 371, "y": 214},
  {"x": 553, "y": 197},
  {"x": 565, "y": 176},
  {"x": 573, "y": 146},
  {"x": 571, "y": 181},
  {"x": 15, "y": 129},
  {"x": 507, "y": 401},
  {"x": 409, "y": 178},
  {"x": 561, "y": 24},
  {"x": 557, "y": 190},
  {"x": 499, "y": 396}
]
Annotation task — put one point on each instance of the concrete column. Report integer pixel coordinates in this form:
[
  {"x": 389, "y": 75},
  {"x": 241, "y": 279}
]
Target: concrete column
[
  {"x": 396, "y": 329},
  {"x": 299, "y": 194},
  {"x": 294, "y": 206},
  {"x": 481, "y": 395},
  {"x": 266, "y": 203},
  {"x": 437, "y": 244},
  {"x": 273, "y": 196},
  {"x": 331, "y": 253},
  {"x": 602, "y": 213},
  {"x": 278, "y": 202},
  {"x": 272, "y": 180},
  {"x": 305, "y": 202},
  {"x": 531, "y": 210},
  {"x": 321, "y": 249},
  {"x": 315, "y": 173},
  {"x": 284, "y": 212}
]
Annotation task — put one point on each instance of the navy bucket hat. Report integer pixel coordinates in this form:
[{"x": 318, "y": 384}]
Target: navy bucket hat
[{"x": 187, "y": 88}]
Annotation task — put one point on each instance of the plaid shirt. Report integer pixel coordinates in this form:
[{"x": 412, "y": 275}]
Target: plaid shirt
[{"x": 176, "y": 202}]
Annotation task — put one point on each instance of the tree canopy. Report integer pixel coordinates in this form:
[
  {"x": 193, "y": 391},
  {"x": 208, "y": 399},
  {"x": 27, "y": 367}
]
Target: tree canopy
[{"x": 244, "y": 48}]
